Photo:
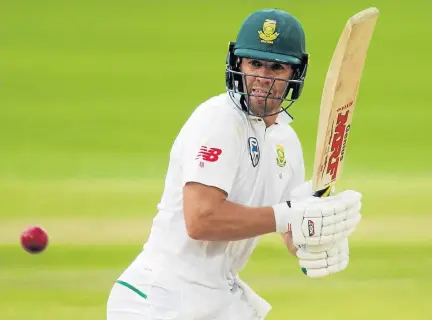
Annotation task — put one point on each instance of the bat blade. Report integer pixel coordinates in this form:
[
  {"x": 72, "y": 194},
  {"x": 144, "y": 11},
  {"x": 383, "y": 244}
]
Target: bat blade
[{"x": 339, "y": 99}]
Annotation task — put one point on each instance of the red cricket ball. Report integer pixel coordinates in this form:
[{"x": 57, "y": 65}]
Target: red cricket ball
[{"x": 34, "y": 239}]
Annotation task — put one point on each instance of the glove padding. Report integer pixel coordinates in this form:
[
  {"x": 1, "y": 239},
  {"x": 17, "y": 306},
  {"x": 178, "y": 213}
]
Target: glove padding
[
  {"x": 319, "y": 221},
  {"x": 321, "y": 261}
]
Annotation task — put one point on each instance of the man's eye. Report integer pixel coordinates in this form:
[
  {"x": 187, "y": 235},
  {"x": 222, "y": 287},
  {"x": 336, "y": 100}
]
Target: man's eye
[
  {"x": 255, "y": 63},
  {"x": 277, "y": 66}
]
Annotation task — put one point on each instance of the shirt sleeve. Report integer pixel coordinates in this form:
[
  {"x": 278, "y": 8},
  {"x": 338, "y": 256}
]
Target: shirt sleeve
[
  {"x": 298, "y": 177},
  {"x": 297, "y": 183},
  {"x": 211, "y": 152}
]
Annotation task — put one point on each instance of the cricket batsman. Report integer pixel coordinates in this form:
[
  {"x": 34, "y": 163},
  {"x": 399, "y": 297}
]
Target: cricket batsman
[{"x": 236, "y": 172}]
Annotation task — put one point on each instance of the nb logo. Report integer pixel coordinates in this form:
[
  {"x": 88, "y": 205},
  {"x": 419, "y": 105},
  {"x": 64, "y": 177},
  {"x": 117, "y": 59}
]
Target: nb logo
[{"x": 209, "y": 154}]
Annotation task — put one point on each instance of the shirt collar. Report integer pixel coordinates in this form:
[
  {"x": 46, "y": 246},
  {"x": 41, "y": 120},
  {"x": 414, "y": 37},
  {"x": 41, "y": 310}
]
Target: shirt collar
[{"x": 283, "y": 118}]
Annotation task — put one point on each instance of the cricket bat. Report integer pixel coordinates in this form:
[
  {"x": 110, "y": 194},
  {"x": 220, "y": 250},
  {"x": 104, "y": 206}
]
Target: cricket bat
[{"x": 339, "y": 99}]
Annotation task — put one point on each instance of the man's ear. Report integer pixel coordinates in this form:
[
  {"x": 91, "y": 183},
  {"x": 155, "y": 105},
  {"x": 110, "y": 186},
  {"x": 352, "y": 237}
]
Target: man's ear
[{"x": 239, "y": 64}]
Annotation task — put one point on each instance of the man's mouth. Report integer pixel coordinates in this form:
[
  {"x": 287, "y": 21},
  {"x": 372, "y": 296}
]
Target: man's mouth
[{"x": 260, "y": 93}]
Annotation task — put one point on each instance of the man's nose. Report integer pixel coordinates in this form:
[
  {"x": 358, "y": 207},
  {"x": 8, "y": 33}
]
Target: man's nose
[{"x": 264, "y": 75}]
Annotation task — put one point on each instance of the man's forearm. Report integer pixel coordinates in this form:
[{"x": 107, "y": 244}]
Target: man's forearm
[{"x": 230, "y": 221}]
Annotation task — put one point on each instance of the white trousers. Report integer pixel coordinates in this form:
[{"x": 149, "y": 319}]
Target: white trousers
[
  {"x": 166, "y": 304},
  {"x": 151, "y": 288}
]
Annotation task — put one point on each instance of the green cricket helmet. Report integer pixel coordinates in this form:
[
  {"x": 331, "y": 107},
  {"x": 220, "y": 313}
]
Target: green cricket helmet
[{"x": 271, "y": 35}]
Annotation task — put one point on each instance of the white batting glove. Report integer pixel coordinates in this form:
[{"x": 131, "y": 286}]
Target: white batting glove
[
  {"x": 319, "y": 221},
  {"x": 329, "y": 260}
]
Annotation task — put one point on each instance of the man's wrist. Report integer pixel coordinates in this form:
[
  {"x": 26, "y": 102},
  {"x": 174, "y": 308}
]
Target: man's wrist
[{"x": 281, "y": 213}]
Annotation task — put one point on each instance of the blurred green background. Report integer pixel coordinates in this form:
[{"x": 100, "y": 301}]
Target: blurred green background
[{"x": 92, "y": 94}]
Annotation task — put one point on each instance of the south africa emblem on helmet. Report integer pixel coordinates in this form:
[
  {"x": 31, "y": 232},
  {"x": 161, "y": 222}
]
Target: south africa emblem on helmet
[
  {"x": 268, "y": 33},
  {"x": 280, "y": 160}
]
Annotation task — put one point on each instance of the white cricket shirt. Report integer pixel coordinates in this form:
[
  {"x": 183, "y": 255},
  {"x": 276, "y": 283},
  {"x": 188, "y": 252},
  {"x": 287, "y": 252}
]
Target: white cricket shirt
[{"x": 224, "y": 147}]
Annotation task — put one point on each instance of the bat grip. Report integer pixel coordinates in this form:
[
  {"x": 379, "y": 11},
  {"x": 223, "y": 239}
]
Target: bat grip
[{"x": 323, "y": 192}]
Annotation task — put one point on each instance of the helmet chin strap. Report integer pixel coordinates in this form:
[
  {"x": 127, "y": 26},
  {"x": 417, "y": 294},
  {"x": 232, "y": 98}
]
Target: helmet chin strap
[{"x": 243, "y": 103}]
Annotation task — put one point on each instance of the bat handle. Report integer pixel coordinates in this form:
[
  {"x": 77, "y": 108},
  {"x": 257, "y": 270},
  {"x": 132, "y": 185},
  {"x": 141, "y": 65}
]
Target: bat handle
[{"x": 323, "y": 192}]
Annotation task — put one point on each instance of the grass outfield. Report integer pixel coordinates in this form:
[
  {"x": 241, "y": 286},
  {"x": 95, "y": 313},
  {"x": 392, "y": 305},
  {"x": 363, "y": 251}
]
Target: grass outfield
[
  {"x": 120, "y": 211},
  {"x": 384, "y": 281},
  {"x": 92, "y": 94},
  {"x": 96, "y": 227}
]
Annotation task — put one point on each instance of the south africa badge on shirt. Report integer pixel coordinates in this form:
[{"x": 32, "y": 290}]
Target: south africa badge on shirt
[{"x": 280, "y": 160}]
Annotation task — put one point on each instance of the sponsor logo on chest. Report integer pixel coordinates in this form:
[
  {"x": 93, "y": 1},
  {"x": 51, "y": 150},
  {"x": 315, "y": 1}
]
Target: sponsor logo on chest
[{"x": 254, "y": 150}]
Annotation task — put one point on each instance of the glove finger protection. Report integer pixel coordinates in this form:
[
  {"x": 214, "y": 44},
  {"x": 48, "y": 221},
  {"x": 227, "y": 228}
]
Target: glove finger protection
[{"x": 319, "y": 221}]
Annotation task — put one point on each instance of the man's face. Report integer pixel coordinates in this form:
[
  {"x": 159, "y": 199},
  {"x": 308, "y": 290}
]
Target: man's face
[{"x": 259, "y": 87}]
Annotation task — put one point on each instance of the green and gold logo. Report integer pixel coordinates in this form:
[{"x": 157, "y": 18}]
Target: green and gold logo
[
  {"x": 268, "y": 32},
  {"x": 280, "y": 160}
]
